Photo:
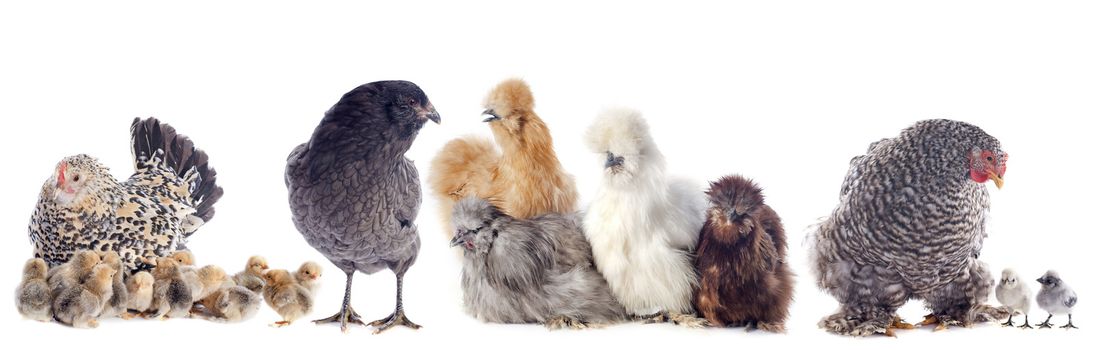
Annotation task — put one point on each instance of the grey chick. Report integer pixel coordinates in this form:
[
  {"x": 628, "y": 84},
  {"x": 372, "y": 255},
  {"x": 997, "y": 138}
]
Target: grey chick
[
  {"x": 1014, "y": 295},
  {"x": 230, "y": 305},
  {"x": 139, "y": 288},
  {"x": 1055, "y": 297},
  {"x": 81, "y": 305},
  {"x": 71, "y": 273},
  {"x": 251, "y": 276},
  {"x": 538, "y": 270},
  {"x": 119, "y": 298},
  {"x": 353, "y": 193},
  {"x": 32, "y": 298},
  {"x": 172, "y": 295}
]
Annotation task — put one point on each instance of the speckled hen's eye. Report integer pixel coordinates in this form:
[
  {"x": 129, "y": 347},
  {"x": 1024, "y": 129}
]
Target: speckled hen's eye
[{"x": 76, "y": 178}]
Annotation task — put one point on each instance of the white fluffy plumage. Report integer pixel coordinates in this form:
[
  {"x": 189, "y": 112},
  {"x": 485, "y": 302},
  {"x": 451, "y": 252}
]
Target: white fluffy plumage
[{"x": 642, "y": 225}]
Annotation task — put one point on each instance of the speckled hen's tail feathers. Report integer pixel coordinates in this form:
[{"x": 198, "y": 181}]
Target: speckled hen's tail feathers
[
  {"x": 464, "y": 167},
  {"x": 179, "y": 153}
]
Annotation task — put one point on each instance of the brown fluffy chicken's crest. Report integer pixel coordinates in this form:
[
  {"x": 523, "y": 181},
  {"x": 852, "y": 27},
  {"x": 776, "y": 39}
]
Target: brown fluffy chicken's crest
[
  {"x": 510, "y": 99},
  {"x": 733, "y": 198}
]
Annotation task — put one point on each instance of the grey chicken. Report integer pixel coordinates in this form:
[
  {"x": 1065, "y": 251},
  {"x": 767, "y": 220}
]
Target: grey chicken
[
  {"x": 910, "y": 225},
  {"x": 1056, "y": 297},
  {"x": 538, "y": 270},
  {"x": 354, "y": 195}
]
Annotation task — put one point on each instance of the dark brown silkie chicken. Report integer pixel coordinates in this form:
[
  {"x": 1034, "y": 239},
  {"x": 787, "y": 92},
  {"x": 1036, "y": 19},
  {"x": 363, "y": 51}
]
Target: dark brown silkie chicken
[{"x": 744, "y": 279}]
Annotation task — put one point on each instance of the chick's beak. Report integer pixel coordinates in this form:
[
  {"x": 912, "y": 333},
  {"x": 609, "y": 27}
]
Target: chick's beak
[
  {"x": 995, "y": 178},
  {"x": 492, "y": 116}
]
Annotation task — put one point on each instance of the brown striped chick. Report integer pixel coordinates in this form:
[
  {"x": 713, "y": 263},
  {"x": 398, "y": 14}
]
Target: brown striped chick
[
  {"x": 308, "y": 275},
  {"x": 116, "y": 306},
  {"x": 230, "y": 305},
  {"x": 171, "y": 294},
  {"x": 139, "y": 288},
  {"x": 291, "y": 300},
  {"x": 252, "y": 275},
  {"x": 32, "y": 297},
  {"x": 80, "y": 306},
  {"x": 70, "y": 274},
  {"x": 211, "y": 278}
]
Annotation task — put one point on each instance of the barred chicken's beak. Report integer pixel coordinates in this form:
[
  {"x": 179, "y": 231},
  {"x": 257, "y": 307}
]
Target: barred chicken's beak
[
  {"x": 493, "y": 117},
  {"x": 995, "y": 178}
]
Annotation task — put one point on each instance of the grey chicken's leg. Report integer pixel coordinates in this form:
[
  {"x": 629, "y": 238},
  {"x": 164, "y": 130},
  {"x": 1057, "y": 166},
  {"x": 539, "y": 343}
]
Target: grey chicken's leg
[
  {"x": 1046, "y": 324},
  {"x": 1069, "y": 325},
  {"x": 346, "y": 315},
  {"x": 397, "y": 318}
]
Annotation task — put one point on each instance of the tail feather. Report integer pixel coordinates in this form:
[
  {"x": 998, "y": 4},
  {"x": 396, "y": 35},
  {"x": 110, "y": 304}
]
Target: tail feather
[
  {"x": 464, "y": 167},
  {"x": 180, "y": 154}
]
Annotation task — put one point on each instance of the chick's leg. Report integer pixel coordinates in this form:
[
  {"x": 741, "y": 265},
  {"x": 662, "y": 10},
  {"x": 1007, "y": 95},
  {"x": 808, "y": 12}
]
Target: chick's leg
[
  {"x": 397, "y": 318},
  {"x": 1026, "y": 325},
  {"x": 1046, "y": 324},
  {"x": 1069, "y": 325},
  {"x": 346, "y": 315},
  {"x": 1010, "y": 321}
]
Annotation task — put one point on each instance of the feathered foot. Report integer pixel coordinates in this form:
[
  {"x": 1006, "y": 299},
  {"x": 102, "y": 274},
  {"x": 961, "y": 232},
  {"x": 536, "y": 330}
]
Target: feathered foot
[
  {"x": 346, "y": 316},
  {"x": 1026, "y": 325},
  {"x": 688, "y": 320},
  {"x": 898, "y": 323},
  {"x": 1010, "y": 321},
  {"x": 560, "y": 322},
  {"x": 1069, "y": 325},
  {"x": 774, "y": 327},
  {"x": 940, "y": 323},
  {"x": 659, "y": 317},
  {"x": 1045, "y": 324},
  {"x": 855, "y": 326}
]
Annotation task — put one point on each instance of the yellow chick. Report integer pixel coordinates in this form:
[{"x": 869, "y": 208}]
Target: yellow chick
[
  {"x": 139, "y": 287},
  {"x": 284, "y": 295},
  {"x": 116, "y": 306},
  {"x": 210, "y": 279},
  {"x": 308, "y": 275},
  {"x": 171, "y": 294},
  {"x": 80, "y": 306},
  {"x": 72, "y": 272},
  {"x": 32, "y": 298},
  {"x": 252, "y": 275}
]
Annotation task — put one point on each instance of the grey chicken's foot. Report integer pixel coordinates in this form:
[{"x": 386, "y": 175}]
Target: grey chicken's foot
[
  {"x": 397, "y": 318},
  {"x": 940, "y": 323},
  {"x": 1069, "y": 325},
  {"x": 346, "y": 316},
  {"x": 1046, "y": 324},
  {"x": 858, "y": 325}
]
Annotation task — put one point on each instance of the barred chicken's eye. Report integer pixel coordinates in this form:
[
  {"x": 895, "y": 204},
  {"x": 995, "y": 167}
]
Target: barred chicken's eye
[{"x": 990, "y": 159}]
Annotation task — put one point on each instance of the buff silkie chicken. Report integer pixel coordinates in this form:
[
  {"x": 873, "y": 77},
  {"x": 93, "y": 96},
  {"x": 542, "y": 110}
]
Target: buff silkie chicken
[
  {"x": 524, "y": 180},
  {"x": 910, "y": 224},
  {"x": 643, "y": 225},
  {"x": 154, "y": 212}
]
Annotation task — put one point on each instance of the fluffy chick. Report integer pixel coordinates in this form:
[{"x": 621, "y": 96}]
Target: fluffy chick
[
  {"x": 73, "y": 272},
  {"x": 210, "y": 279},
  {"x": 251, "y": 276},
  {"x": 139, "y": 288},
  {"x": 1014, "y": 295},
  {"x": 32, "y": 297},
  {"x": 183, "y": 257},
  {"x": 744, "y": 278},
  {"x": 119, "y": 299},
  {"x": 80, "y": 306},
  {"x": 172, "y": 295},
  {"x": 291, "y": 300},
  {"x": 230, "y": 305},
  {"x": 524, "y": 180},
  {"x": 1056, "y": 297},
  {"x": 538, "y": 270},
  {"x": 641, "y": 224},
  {"x": 308, "y": 275}
]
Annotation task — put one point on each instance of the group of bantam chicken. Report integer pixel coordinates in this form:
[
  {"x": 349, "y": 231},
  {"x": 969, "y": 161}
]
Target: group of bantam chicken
[{"x": 649, "y": 247}]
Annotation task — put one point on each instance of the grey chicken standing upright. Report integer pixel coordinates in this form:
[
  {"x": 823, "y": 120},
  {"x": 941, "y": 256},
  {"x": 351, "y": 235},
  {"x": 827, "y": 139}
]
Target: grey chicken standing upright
[
  {"x": 910, "y": 224},
  {"x": 354, "y": 195}
]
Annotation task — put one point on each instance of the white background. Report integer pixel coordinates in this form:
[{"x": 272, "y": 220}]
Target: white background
[{"x": 784, "y": 92}]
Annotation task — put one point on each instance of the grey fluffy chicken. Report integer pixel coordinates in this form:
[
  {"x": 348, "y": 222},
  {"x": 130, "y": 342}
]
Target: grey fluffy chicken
[
  {"x": 169, "y": 196},
  {"x": 910, "y": 224},
  {"x": 32, "y": 297},
  {"x": 354, "y": 195},
  {"x": 538, "y": 270}
]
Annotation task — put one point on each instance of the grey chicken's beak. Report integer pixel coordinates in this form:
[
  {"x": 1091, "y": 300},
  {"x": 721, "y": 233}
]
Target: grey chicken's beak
[
  {"x": 431, "y": 114},
  {"x": 493, "y": 117},
  {"x": 459, "y": 240},
  {"x": 613, "y": 161}
]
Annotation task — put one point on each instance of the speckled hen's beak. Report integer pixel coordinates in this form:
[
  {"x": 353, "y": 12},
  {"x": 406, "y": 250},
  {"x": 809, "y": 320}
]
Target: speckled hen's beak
[{"x": 995, "y": 178}]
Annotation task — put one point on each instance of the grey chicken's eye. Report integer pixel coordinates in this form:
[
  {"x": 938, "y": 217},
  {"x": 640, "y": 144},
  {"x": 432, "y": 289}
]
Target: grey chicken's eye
[{"x": 404, "y": 107}]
